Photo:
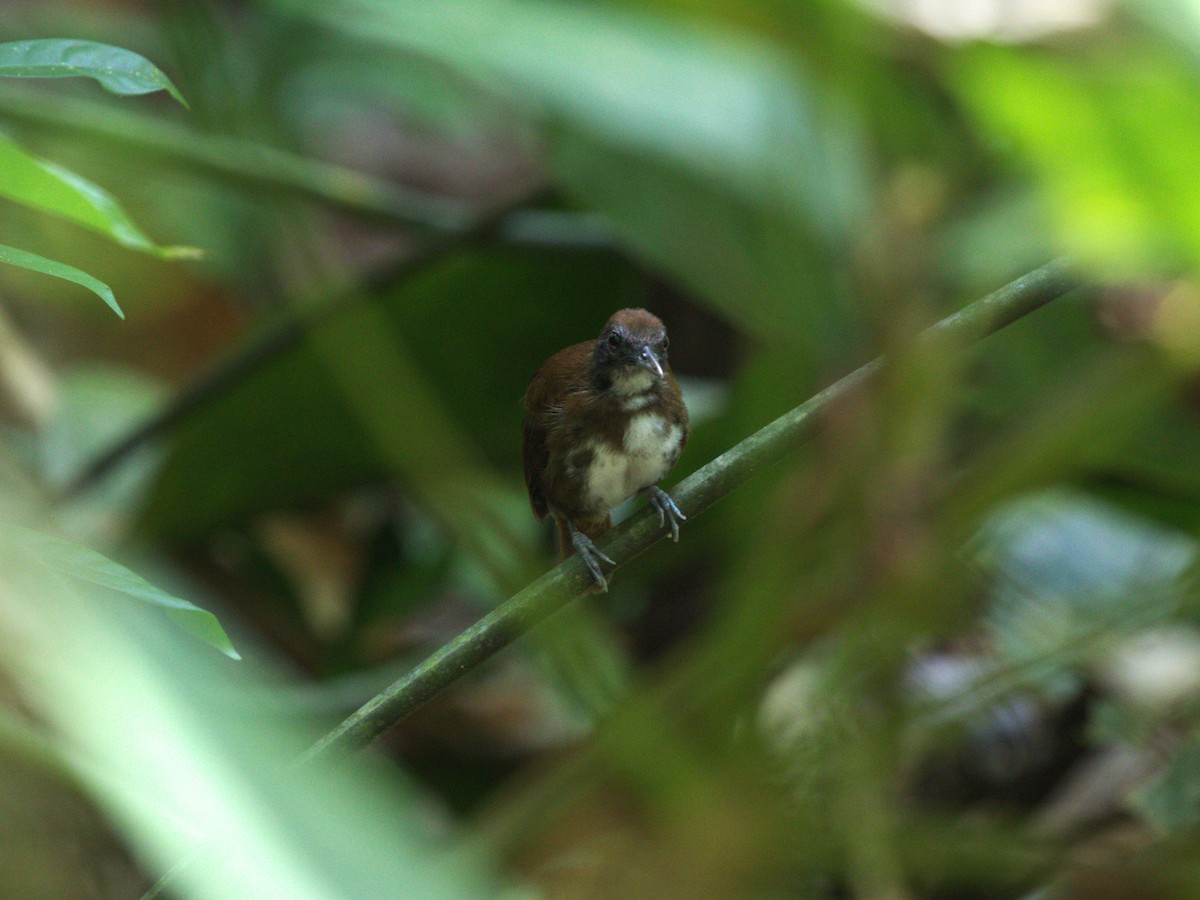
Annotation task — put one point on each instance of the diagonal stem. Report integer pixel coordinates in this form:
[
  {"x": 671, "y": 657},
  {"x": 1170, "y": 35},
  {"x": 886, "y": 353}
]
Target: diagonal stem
[{"x": 694, "y": 494}]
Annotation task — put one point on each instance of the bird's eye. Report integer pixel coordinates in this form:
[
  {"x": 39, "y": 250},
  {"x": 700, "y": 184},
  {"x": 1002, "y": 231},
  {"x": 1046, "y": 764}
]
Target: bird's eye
[
  {"x": 664, "y": 344},
  {"x": 614, "y": 341}
]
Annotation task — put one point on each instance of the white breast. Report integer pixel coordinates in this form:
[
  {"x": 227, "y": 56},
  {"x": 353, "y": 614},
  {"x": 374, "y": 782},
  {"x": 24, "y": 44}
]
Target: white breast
[
  {"x": 635, "y": 381},
  {"x": 651, "y": 448}
]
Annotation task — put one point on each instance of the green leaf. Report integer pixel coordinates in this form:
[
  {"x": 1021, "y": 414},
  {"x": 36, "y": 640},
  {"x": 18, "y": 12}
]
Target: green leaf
[
  {"x": 87, "y": 565},
  {"x": 25, "y": 260},
  {"x": 50, "y": 188},
  {"x": 1107, "y": 140},
  {"x": 118, "y": 71}
]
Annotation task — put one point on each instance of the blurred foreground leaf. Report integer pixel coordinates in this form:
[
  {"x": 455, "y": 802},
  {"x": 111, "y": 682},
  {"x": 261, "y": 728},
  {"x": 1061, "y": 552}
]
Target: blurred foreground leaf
[
  {"x": 117, "y": 70},
  {"x": 25, "y": 260},
  {"x": 87, "y": 565},
  {"x": 187, "y": 755}
]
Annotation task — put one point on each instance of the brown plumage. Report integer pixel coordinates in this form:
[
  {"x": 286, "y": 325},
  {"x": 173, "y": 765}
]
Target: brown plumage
[{"x": 604, "y": 420}]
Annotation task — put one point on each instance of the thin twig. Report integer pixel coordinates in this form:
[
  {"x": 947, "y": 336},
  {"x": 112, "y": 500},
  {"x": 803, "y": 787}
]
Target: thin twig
[{"x": 694, "y": 494}]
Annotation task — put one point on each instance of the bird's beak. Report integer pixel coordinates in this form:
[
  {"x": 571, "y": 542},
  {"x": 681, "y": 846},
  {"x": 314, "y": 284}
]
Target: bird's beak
[{"x": 650, "y": 361}]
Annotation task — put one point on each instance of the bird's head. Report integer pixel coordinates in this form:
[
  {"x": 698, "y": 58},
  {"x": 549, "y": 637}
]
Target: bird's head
[{"x": 631, "y": 352}]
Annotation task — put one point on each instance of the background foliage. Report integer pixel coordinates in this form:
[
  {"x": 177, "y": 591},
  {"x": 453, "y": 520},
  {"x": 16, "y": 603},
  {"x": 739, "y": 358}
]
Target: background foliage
[{"x": 948, "y": 648}]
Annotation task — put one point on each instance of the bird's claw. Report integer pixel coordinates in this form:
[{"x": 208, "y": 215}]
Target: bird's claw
[
  {"x": 592, "y": 557},
  {"x": 667, "y": 510}
]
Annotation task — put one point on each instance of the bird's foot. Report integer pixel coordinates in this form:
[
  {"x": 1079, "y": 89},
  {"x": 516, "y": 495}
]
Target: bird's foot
[
  {"x": 591, "y": 556},
  {"x": 667, "y": 510}
]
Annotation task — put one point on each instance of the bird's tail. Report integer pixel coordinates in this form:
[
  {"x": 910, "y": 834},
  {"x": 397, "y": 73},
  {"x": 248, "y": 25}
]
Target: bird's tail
[{"x": 593, "y": 528}]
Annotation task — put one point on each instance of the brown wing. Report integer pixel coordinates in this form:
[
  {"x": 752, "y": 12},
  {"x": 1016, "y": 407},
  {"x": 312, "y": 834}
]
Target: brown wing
[
  {"x": 543, "y": 403},
  {"x": 534, "y": 451}
]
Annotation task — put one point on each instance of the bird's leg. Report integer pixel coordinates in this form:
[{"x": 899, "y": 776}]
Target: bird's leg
[
  {"x": 667, "y": 510},
  {"x": 590, "y": 555}
]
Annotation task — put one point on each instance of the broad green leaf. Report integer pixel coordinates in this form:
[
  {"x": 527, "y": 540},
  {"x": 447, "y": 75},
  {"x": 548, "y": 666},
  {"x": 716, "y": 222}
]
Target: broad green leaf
[
  {"x": 118, "y": 71},
  {"x": 25, "y": 260},
  {"x": 87, "y": 565},
  {"x": 48, "y": 187}
]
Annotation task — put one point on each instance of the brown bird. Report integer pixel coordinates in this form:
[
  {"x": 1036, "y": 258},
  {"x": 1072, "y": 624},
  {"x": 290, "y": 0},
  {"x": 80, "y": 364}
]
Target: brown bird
[{"x": 604, "y": 420}]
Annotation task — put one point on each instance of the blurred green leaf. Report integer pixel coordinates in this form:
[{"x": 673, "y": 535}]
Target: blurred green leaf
[
  {"x": 87, "y": 565},
  {"x": 25, "y": 260},
  {"x": 725, "y": 107},
  {"x": 51, "y": 188},
  {"x": 768, "y": 275},
  {"x": 189, "y": 757},
  {"x": 118, "y": 71},
  {"x": 997, "y": 237},
  {"x": 1152, "y": 470},
  {"x": 711, "y": 154},
  {"x": 341, "y": 84},
  {"x": 1109, "y": 140},
  {"x": 1066, "y": 431}
]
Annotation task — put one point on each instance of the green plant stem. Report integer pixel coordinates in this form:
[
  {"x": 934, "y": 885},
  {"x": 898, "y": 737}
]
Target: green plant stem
[
  {"x": 694, "y": 494},
  {"x": 239, "y": 160}
]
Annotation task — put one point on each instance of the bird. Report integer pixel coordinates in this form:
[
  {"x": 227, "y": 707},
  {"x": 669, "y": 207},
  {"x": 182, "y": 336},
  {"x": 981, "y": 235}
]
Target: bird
[{"x": 604, "y": 420}]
